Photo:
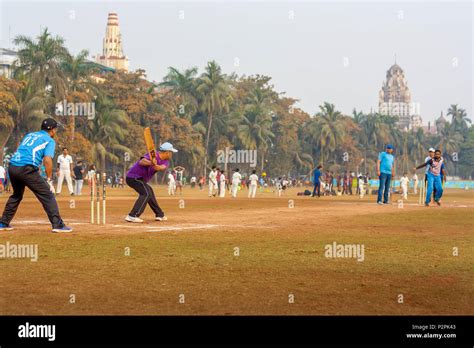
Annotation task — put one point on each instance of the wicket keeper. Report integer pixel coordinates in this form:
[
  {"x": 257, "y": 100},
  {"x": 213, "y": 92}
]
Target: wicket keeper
[
  {"x": 35, "y": 148},
  {"x": 138, "y": 177}
]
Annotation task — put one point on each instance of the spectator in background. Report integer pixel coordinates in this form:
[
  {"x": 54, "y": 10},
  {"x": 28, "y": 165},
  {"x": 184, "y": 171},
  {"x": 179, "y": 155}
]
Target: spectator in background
[
  {"x": 253, "y": 178},
  {"x": 316, "y": 181},
  {"x": 171, "y": 183},
  {"x": 222, "y": 180},
  {"x": 415, "y": 183},
  {"x": 179, "y": 178},
  {"x": 79, "y": 175},
  {"x": 64, "y": 171}
]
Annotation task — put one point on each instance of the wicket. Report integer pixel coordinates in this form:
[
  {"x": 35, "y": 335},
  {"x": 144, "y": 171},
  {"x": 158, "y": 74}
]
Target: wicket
[
  {"x": 421, "y": 200},
  {"x": 95, "y": 182}
]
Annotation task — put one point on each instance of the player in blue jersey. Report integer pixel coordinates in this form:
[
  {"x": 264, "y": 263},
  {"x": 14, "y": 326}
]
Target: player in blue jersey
[{"x": 35, "y": 149}]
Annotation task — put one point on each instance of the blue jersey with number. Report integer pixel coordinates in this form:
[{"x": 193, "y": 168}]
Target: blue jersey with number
[{"x": 33, "y": 148}]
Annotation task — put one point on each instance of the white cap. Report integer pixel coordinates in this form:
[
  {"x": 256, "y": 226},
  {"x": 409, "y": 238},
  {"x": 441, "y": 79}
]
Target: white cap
[
  {"x": 167, "y": 147},
  {"x": 431, "y": 149}
]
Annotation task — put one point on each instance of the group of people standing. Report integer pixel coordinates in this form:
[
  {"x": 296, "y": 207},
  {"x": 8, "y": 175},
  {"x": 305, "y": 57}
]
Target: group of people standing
[
  {"x": 219, "y": 184},
  {"x": 329, "y": 183},
  {"x": 435, "y": 174}
]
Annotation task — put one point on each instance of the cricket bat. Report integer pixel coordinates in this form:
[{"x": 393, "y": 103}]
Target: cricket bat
[{"x": 150, "y": 144}]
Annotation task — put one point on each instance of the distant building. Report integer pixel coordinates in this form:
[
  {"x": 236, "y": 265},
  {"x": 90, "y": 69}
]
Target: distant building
[
  {"x": 112, "y": 52},
  {"x": 440, "y": 123},
  {"x": 395, "y": 100},
  {"x": 430, "y": 128},
  {"x": 7, "y": 60}
]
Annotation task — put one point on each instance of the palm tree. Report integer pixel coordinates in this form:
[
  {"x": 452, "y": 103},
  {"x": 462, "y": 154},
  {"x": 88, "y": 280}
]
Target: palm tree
[
  {"x": 40, "y": 62},
  {"x": 327, "y": 129},
  {"x": 417, "y": 144},
  {"x": 183, "y": 85},
  {"x": 450, "y": 140},
  {"x": 215, "y": 98},
  {"x": 78, "y": 73},
  {"x": 255, "y": 129},
  {"x": 459, "y": 119},
  {"x": 107, "y": 131}
]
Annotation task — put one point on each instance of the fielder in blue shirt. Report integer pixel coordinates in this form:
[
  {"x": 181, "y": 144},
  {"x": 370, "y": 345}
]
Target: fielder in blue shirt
[
  {"x": 385, "y": 172},
  {"x": 35, "y": 149},
  {"x": 316, "y": 182}
]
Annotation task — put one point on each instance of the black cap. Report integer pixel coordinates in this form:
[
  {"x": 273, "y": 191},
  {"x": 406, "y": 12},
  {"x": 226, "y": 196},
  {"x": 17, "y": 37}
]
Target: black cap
[{"x": 49, "y": 124}]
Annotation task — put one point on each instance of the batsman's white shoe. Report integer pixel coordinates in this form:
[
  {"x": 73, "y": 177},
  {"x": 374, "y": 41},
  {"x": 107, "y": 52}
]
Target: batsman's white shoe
[
  {"x": 4, "y": 227},
  {"x": 64, "y": 229},
  {"x": 161, "y": 218},
  {"x": 133, "y": 219}
]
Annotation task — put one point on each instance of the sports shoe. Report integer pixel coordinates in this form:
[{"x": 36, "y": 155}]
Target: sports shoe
[
  {"x": 4, "y": 227},
  {"x": 438, "y": 202},
  {"x": 427, "y": 204},
  {"x": 133, "y": 219},
  {"x": 64, "y": 229},
  {"x": 386, "y": 203},
  {"x": 379, "y": 203},
  {"x": 161, "y": 218}
]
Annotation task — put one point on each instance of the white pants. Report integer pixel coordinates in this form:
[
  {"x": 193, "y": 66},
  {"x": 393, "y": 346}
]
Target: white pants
[
  {"x": 235, "y": 188},
  {"x": 361, "y": 190},
  {"x": 212, "y": 188},
  {"x": 405, "y": 191},
  {"x": 78, "y": 187},
  {"x": 171, "y": 188},
  {"x": 64, "y": 174},
  {"x": 252, "y": 191},
  {"x": 222, "y": 193}
]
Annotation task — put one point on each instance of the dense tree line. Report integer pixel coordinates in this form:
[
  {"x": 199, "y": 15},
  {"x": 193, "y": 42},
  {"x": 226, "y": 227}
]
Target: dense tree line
[{"x": 203, "y": 113}]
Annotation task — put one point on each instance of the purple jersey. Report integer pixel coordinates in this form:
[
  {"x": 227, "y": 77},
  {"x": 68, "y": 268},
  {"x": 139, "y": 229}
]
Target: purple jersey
[{"x": 146, "y": 173}]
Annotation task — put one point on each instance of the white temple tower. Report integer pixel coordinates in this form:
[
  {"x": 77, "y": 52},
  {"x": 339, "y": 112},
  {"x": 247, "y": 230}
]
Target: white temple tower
[{"x": 112, "y": 51}]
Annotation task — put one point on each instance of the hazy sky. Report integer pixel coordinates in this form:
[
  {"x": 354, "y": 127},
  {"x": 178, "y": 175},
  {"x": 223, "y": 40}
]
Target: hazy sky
[{"x": 314, "y": 51}]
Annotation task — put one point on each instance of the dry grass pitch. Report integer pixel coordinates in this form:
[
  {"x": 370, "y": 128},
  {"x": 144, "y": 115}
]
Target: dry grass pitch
[{"x": 408, "y": 251}]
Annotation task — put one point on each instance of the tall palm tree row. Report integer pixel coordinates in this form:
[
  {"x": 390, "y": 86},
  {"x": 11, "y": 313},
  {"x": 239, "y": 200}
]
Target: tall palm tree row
[{"x": 204, "y": 113}]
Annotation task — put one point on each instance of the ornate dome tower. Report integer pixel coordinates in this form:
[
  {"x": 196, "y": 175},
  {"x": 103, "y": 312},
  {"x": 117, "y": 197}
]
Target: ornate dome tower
[
  {"x": 395, "y": 98},
  {"x": 112, "y": 52}
]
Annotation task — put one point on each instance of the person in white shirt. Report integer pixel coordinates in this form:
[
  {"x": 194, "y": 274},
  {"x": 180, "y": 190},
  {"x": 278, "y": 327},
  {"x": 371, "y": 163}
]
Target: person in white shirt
[
  {"x": 213, "y": 182},
  {"x": 64, "y": 171},
  {"x": 415, "y": 183},
  {"x": 279, "y": 187},
  {"x": 253, "y": 178},
  {"x": 284, "y": 184},
  {"x": 222, "y": 185},
  {"x": 404, "y": 185},
  {"x": 361, "y": 186},
  {"x": 236, "y": 179},
  {"x": 193, "y": 181},
  {"x": 3, "y": 178},
  {"x": 171, "y": 184},
  {"x": 91, "y": 172}
]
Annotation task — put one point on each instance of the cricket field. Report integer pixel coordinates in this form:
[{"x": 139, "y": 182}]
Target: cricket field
[{"x": 224, "y": 256}]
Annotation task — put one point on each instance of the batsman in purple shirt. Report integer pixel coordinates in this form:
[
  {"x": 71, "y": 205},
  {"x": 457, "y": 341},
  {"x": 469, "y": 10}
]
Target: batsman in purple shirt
[{"x": 138, "y": 177}]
